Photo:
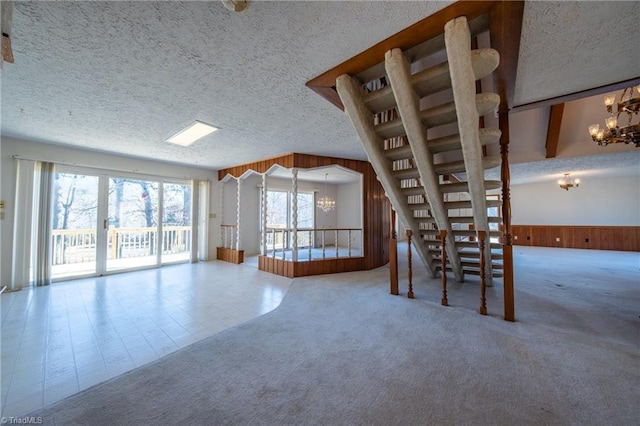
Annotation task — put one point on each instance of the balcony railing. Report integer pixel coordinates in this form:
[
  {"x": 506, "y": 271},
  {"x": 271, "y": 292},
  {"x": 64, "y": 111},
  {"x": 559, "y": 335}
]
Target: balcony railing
[
  {"x": 314, "y": 243},
  {"x": 71, "y": 246}
]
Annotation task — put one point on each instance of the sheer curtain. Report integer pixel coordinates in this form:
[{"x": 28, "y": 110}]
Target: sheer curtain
[
  {"x": 32, "y": 224},
  {"x": 42, "y": 223},
  {"x": 203, "y": 219},
  {"x": 22, "y": 221}
]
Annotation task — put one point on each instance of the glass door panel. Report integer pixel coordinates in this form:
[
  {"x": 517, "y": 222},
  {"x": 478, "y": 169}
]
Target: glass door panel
[
  {"x": 176, "y": 222},
  {"x": 132, "y": 236},
  {"x": 75, "y": 220}
]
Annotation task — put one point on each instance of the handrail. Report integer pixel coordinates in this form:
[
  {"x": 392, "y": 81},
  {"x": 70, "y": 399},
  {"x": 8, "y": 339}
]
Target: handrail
[
  {"x": 279, "y": 241},
  {"x": 228, "y": 235}
]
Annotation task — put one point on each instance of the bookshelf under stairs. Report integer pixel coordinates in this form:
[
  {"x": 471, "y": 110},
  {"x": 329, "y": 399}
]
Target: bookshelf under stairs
[{"x": 414, "y": 169}]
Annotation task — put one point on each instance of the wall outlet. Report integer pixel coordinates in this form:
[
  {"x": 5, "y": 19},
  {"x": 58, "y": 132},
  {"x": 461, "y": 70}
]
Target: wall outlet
[
  {"x": 212, "y": 216},
  {"x": 515, "y": 237},
  {"x": 557, "y": 239}
]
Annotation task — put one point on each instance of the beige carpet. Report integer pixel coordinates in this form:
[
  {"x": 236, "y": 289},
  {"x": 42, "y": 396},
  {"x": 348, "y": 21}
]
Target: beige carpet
[{"x": 341, "y": 350}]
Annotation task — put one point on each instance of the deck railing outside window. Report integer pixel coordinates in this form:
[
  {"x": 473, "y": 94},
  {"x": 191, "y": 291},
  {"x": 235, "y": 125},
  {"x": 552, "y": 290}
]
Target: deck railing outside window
[{"x": 79, "y": 245}]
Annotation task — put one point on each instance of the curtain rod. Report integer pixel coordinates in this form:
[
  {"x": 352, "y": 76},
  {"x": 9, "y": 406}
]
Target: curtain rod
[{"x": 107, "y": 169}]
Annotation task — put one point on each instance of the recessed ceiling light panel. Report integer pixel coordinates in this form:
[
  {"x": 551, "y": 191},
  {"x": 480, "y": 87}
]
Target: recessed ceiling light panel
[{"x": 192, "y": 133}]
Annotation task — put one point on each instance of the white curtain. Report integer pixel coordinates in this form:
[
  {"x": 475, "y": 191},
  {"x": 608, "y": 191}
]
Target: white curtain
[
  {"x": 204, "y": 189},
  {"x": 20, "y": 273},
  {"x": 32, "y": 224},
  {"x": 42, "y": 204}
]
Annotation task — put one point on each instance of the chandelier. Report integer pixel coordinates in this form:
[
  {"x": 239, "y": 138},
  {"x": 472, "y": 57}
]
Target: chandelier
[
  {"x": 326, "y": 203},
  {"x": 613, "y": 133},
  {"x": 566, "y": 182}
]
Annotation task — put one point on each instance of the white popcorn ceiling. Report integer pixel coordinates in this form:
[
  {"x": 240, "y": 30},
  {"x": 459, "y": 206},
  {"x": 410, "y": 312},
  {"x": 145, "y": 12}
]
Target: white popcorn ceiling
[{"x": 124, "y": 76}]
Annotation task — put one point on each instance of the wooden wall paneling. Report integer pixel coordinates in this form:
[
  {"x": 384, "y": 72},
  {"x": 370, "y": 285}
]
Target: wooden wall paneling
[
  {"x": 594, "y": 238},
  {"x": 603, "y": 241},
  {"x": 617, "y": 242},
  {"x": 630, "y": 240},
  {"x": 621, "y": 238},
  {"x": 554, "y": 236},
  {"x": 536, "y": 237},
  {"x": 579, "y": 237},
  {"x": 567, "y": 237},
  {"x": 519, "y": 234}
]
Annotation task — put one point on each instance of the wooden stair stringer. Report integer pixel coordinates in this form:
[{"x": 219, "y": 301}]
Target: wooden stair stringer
[
  {"x": 463, "y": 82},
  {"x": 350, "y": 93}
]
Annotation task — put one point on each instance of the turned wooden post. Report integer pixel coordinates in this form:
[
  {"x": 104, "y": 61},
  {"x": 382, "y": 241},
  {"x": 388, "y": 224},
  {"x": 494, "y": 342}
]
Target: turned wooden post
[
  {"x": 505, "y": 21},
  {"x": 443, "y": 255},
  {"x": 410, "y": 272},
  {"x": 507, "y": 248},
  {"x": 393, "y": 256},
  {"x": 482, "y": 235}
]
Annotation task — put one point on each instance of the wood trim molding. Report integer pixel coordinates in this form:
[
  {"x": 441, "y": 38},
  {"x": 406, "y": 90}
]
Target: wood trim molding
[
  {"x": 421, "y": 31},
  {"x": 553, "y": 129}
]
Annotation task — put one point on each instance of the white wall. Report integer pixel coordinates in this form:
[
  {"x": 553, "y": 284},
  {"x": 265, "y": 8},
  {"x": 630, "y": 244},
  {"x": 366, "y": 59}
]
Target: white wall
[
  {"x": 607, "y": 202},
  {"x": 93, "y": 159},
  {"x": 250, "y": 215}
]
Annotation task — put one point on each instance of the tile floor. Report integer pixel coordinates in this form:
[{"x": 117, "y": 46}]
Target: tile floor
[{"x": 60, "y": 339}]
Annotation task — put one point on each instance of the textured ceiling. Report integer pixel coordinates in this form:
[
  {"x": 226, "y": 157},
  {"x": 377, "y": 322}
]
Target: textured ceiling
[
  {"x": 568, "y": 47},
  {"x": 124, "y": 76}
]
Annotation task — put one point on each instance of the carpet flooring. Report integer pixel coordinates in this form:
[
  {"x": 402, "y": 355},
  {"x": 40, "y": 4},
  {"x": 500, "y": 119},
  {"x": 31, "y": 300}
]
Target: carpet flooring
[{"x": 340, "y": 351}]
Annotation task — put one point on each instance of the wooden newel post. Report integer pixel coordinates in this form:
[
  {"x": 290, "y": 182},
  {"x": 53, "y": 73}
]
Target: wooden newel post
[
  {"x": 393, "y": 256},
  {"x": 410, "y": 272},
  {"x": 443, "y": 256},
  {"x": 482, "y": 235}
]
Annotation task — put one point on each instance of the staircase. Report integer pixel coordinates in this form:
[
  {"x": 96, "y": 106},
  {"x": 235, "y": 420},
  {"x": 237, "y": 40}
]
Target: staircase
[{"x": 420, "y": 127}]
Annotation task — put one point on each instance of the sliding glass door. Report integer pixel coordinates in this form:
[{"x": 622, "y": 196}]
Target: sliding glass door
[
  {"x": 74, "y": 236},
  {"x": 105, "y": 223},
  {"x": 132, "y": 223},
  {"x": 176, "y": 222}
]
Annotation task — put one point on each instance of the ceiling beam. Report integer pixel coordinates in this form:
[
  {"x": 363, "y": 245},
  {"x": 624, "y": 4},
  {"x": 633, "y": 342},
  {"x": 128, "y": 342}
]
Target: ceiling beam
[
  {"x": 601, "y": 90},
  {"x": 553, "y": 129},
  {"x": 505, "y": 28}
]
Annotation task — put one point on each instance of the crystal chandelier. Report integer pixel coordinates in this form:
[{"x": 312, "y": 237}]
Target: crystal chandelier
[
  {"x": 566, "y": 182},
  {"x": 326, "y": 203},
  {"x": 613, "y": 133}
]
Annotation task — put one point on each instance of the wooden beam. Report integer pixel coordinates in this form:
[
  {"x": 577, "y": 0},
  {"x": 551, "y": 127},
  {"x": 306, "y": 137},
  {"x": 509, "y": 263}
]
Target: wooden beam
[
  {"x": 7, "y": 52},
  {"x": 505, "y": 27},
  {"x": 553, "y": 129},
  {"x": 421, "y": 31}
]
